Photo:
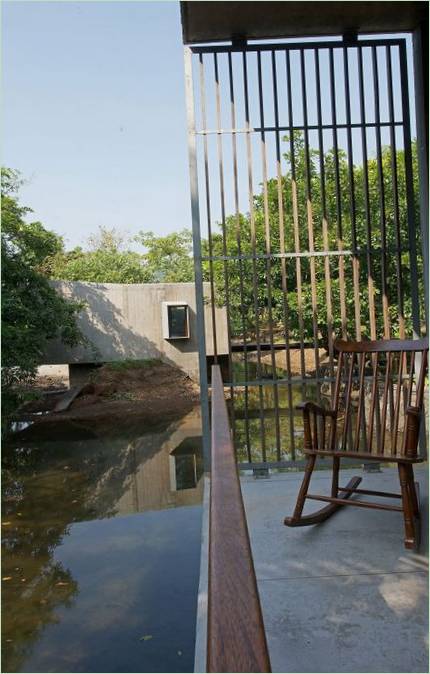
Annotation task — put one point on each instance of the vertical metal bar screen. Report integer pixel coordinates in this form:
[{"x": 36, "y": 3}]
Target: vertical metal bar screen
[{"x": 307, "y": 223}]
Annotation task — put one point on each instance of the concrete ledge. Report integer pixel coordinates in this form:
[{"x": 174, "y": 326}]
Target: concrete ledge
[{"x": 200, "y": 652}]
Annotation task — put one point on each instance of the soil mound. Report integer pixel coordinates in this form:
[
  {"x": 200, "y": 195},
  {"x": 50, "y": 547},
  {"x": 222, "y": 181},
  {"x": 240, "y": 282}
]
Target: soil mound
[{"x": 122, "y": 393}]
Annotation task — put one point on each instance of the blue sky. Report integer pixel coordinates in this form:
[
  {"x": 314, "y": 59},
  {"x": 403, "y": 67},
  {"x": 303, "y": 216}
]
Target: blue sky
[{"x": 94, "y": 115}]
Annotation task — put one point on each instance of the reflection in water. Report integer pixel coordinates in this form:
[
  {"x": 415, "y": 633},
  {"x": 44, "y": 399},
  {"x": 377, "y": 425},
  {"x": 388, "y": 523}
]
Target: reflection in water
[
  {"x": 256, "y": 420},
  {"x": 266, "y": 415},
  {"x": 253, "y": 370},
  {"x": 187, "y": 464},
  {"x": 97, "y": 574}
]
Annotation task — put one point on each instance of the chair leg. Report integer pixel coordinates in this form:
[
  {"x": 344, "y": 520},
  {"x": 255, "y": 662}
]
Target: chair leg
[
  {"x": 303, "y": 490},
  {"x": 408, "y": 508},
  {"x": 299, "y": 520},
  {"x": 335, "y": 478},
  {"x": 413, "y": 492}
]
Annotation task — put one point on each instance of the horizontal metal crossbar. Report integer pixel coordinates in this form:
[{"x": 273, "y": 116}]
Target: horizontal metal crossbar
[
  {"x": 269, "y": 413},
  {"x": 301, "y": 254},
  {"x": 295, "y": 380},
  {"x": 264, "y": 346},
  {"x": 298, "y": 464},
  {"x": 284, "y": 380},
  {"x": 294, "y": 46},
  {"x": 294, "y": 127}
]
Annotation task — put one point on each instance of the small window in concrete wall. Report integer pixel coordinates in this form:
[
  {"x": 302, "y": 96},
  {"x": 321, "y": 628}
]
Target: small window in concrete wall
[
  {"x": 175, "y": 320},
  {"x": 186, "y": 464}
]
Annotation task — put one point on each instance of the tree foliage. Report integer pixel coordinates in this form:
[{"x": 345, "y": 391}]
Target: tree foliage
[
  {"x": 32, "y": 312},
  {"x": 327, "y": 207},
  {"x": 166, "y": 259},
  {"x": 108, "y": 260}
]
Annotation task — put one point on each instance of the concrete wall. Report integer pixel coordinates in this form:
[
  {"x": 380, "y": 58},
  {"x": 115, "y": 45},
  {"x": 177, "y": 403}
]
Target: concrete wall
[{"x": 125, "y": 321}]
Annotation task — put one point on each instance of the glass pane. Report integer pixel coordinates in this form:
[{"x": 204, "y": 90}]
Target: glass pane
[{"x": 178, "y": 326}]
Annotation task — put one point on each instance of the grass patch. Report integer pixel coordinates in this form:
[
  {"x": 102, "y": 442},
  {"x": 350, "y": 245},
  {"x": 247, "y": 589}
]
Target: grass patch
[
  {"x": 126, "y": 395},
  {"x": 129, "y": 364}
]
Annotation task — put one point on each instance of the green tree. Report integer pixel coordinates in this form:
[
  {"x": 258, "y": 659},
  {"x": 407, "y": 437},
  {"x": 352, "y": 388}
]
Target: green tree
[
  {"x": 168, "y": 259},
  {"x": 108, "y": 261},
  {"x": 334, "y": 226},
  {"x": 32, "y": 312}
]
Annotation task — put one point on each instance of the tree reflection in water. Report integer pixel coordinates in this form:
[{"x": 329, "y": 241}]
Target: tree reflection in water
[{"x": 48, "y": 486}]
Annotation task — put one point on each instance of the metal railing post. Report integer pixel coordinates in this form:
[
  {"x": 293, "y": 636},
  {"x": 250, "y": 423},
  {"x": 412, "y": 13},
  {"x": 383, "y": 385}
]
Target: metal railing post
[{"x": 197, "y": 254}]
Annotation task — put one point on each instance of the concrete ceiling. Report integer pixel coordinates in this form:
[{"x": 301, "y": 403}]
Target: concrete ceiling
[{"x": 222, "y": 21}]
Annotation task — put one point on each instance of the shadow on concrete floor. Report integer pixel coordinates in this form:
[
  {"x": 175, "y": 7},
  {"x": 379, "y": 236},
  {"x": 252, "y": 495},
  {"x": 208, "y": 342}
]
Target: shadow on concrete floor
[{"x": 345, "y": 595}]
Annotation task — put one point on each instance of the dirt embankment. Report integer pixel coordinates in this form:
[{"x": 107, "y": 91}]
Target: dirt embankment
[
  {"x": 296, "y": 357},
  {"x": 121, "y": 393}
]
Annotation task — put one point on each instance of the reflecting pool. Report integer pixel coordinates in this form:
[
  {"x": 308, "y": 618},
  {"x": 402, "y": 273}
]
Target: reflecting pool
[{"x": 101, "y": 550}]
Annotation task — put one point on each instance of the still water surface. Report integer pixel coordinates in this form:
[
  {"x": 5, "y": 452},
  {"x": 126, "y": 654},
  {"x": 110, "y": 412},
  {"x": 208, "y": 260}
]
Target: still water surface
[{"x": 101, "y": 551}]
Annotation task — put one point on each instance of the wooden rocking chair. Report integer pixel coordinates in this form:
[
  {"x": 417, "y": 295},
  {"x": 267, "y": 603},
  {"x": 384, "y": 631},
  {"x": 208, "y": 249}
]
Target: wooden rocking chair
[{"x": 358, "y": 426}]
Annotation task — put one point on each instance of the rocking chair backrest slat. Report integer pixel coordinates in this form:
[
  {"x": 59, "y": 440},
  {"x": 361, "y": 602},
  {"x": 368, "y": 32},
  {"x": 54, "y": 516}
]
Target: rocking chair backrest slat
[
  {"x": 375, "y": 398},
  {"x": 316, "y": 434},
  {"x": 359, "y": 421},
  {"x": 421, "y": 379},
  {"x": 411, "y": 380},
  {"x": 348, "y": 401},
  {"x": 388, "y": 393},
  {"x": 377, "y": 384},
  {"x": 323, "y": 432},
  {"x": 395, "y": 425},
  {"x": 336, "y": 392}
]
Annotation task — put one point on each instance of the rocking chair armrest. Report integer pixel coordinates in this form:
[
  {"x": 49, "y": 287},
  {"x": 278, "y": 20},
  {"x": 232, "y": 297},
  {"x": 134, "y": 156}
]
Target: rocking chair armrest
[
  {"x": 309, "y": 406},
  {"x": 413, "y": 411}
]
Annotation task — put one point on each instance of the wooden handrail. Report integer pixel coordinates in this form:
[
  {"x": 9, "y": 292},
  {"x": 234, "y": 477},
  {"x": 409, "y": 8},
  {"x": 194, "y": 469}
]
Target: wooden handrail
[{"x": 236, "y": 641}]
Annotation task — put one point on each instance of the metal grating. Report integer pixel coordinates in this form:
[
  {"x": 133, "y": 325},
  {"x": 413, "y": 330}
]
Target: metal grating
[{"x": 306, "y": 222}]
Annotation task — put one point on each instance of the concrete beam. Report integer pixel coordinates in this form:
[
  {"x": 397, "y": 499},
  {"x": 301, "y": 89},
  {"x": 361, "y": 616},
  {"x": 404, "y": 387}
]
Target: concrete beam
[{"x": 223, "y": 21}]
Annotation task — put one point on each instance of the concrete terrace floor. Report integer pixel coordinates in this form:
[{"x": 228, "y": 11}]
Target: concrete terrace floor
[{"x": 345, "y": 595}]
